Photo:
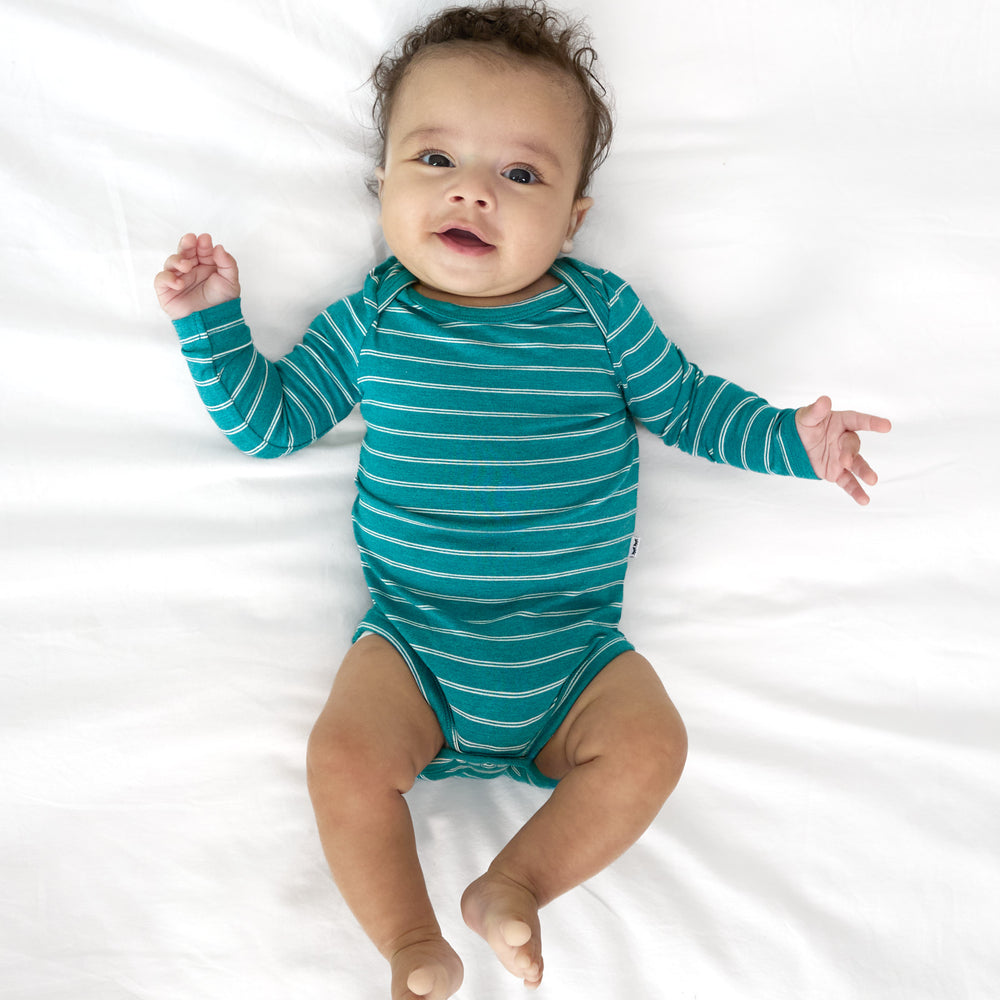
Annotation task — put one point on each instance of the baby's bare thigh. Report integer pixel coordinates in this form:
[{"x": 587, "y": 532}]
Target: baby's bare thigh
[
  {"x": 625, "y": 710},
  {"x": 377, "y": 716}
]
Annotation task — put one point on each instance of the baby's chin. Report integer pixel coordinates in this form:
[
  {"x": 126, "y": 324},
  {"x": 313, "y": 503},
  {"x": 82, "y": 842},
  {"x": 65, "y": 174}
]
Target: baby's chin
[
  {"x": 473, "y": 280},
  {"x": 485, "y": 295}
]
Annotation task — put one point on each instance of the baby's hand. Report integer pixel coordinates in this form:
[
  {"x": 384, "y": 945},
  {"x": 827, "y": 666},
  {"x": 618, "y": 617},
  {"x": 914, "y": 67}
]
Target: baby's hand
[
  {"x": 834, "y": 448},
  {"x": 199, "y": 275}
]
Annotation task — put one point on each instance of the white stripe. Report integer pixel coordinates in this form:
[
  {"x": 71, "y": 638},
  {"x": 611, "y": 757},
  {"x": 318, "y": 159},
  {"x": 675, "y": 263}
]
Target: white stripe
[
  {"x": 499, "y": 723},
  {"x": 506, "y": 693},
  {"x": 447, "y": 601},
  {"x": 506, "y": 416},
  {"x": 528, "y": 512},
  {"x": 489, "y": 554},
  {"x": 502, "y": 665},
  {"x": 626, "y": 515},
  {"x": 436, "y": 387},
  {"x": 490, "y": 463},
  {"x": 706, "y": 415},
  {"x": 484, "y": 578},
  {"x": 500, "y": 438},
  {"x": 577, "y": 623},
  {"x": 454, "y": 488}
]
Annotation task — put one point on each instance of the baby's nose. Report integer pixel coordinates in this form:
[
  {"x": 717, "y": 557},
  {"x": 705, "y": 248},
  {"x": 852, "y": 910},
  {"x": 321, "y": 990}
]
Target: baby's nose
[{"x": 473, "y": 187}]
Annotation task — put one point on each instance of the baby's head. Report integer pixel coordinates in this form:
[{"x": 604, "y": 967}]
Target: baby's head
[
  {"x": 528, "y": 32},
  {"x": 491, "y": 123}
]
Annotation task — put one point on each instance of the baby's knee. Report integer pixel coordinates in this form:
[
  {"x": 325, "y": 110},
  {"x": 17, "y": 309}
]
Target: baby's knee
[
  {"x": 331, "y": 764},
  {"x": 347, "y": 762},
  {"x": 655, "y": 751},
  {"x": 339, "y": 767}
]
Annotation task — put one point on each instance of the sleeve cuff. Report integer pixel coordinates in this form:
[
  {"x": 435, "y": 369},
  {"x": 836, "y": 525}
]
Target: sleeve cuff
[
  {"x": 211, "y": 324},
  {"x": 795, "y": 453}
]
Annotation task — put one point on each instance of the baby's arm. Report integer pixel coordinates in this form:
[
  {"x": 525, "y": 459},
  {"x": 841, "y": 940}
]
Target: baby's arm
[
  {"x": 266, "y": 408},
  {"x": 831, "y": 441},
  {"x": 709, "y": 416},
  {"x": 200, "y": 275}
]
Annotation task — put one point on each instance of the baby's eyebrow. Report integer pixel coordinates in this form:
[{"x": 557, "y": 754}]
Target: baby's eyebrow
[
  {"x": 425, "y": 133},
  {"x": 540, "y": 151}
]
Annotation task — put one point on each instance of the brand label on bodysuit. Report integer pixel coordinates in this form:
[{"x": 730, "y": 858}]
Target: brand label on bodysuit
[{"x": 634, "y": 548}]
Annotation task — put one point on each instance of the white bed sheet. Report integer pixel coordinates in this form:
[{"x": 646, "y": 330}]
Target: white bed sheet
[{"x": 806, "y": 195}]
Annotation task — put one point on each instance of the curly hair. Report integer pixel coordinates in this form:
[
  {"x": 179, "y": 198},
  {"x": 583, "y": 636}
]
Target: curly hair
[{"x": 529, "y": 31}]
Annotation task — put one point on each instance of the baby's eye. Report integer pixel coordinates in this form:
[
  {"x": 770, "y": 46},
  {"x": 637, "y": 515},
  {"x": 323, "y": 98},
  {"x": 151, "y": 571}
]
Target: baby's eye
[
  {"x": 435, "y": 160},
  {"x": 521, "y": 175}
]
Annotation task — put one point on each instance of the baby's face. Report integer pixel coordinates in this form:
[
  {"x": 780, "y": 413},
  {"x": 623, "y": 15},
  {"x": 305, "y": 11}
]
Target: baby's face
[{"x": 478, "y": 191}]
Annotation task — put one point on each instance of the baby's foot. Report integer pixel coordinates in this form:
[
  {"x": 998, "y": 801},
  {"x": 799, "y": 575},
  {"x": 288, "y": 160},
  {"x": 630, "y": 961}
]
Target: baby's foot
[
  {"x": 505, "y": 914},
  {"x": 426, "y": 970}
]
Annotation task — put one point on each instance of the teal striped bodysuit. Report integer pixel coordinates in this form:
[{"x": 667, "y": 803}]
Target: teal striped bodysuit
[{"x": 497, "y": 479}]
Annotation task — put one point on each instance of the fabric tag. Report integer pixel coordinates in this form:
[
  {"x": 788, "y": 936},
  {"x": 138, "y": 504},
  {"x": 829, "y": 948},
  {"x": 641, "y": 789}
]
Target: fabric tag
[{"x": 634, "y": 547}]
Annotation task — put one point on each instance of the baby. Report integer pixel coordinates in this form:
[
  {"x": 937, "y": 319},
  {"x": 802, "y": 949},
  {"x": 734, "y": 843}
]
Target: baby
[{"x": 499, "y": 383}]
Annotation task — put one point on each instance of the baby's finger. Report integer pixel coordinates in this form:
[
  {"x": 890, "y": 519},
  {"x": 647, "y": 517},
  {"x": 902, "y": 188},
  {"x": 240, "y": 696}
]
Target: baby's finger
[
  {"x": 850, "y": 447},
  {"x": 852, "y": 488},
  {"x": 866, "y": 422},
  {"x": 168, "y": 281},
  {"x": 175, "y": 269},
  {"x": 179, "y": 264},
  {"x": 223, "y": 259},
  {"x": 863, "y": 471},
  {"x": 188, "y": 245},
  {"x": 205, "y": 248}
]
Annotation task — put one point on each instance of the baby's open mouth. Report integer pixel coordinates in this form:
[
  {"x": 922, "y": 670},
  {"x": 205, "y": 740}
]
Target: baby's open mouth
[{"x": 462, "y": 239}]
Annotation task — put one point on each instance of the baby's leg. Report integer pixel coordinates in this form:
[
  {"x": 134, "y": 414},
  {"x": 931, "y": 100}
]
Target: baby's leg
[
  {"x": 618, "y": 755},
  {"x": 375, "y": 735}
]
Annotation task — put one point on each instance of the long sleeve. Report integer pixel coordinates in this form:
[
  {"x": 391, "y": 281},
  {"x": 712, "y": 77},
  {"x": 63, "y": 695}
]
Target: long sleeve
[
  {"x": 701, "y": 414},
  {"x": 270, "y": 408}
]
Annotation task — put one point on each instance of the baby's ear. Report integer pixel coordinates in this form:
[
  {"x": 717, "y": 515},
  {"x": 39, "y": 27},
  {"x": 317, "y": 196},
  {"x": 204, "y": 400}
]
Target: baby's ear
[
  {"x": 579, "y": 212},
  {"x": 380, "y": 177},
  {"x": 580, "y": 209}
]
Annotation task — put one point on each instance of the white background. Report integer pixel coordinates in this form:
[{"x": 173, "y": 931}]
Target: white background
[{"x": 805, "y": 193}]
